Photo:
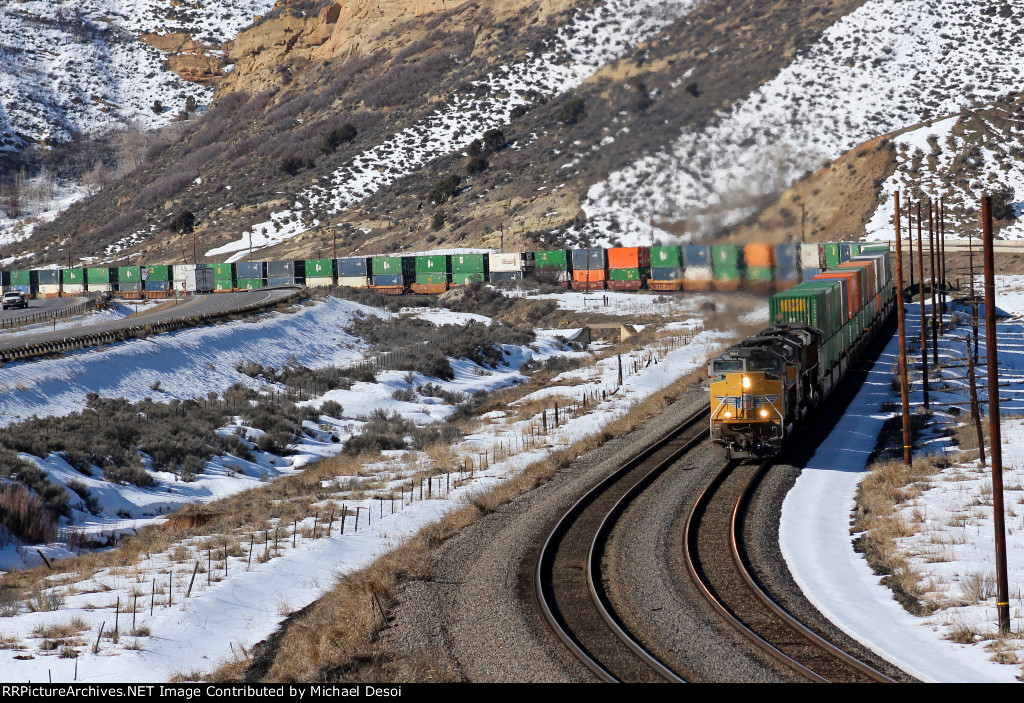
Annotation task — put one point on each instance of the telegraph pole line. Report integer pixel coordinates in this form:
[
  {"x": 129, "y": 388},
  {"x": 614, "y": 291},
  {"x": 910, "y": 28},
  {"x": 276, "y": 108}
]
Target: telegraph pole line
[
  {"x": 901, "y": 314},
  {"x": 920, "y": 299},
  {"x": 1002, "y": 585}
]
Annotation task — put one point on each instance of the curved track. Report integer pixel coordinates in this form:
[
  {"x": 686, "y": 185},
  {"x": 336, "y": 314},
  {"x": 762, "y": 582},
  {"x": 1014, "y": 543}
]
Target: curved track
[
  {"x": 568, "y": 585},
  {"x": 715, "y": 557}
]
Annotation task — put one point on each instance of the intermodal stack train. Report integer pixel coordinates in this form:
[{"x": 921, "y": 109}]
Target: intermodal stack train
[
  {"x": 757, "y": 267},
  {"x": 762, "y": 387}
]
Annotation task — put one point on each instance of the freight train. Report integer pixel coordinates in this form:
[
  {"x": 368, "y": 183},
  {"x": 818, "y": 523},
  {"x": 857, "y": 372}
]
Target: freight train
[
  {"x": 695, "y": 267},
  {"x": 763, "y": 386}
]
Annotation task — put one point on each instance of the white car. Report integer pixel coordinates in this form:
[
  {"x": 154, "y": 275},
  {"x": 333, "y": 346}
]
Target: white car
[{"x": 15, "y": 299}]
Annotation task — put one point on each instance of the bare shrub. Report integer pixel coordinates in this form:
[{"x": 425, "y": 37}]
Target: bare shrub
[{"x": 26, "y": 516}]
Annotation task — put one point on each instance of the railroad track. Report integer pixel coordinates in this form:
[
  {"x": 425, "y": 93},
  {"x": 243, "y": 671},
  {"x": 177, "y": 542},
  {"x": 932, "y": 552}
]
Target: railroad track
[
  {"x": 568, "y": 584},
  {"x": 715, "y": 557}
]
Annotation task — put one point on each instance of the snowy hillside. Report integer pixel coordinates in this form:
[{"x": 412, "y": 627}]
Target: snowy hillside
[
  {"x": 77, "y": 68},
  {"x": 886, "y": 66}
]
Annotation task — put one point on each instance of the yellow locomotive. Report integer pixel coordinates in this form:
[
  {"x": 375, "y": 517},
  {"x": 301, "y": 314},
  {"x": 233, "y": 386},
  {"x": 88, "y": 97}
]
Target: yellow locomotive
[{"x": 761, "y": 387}]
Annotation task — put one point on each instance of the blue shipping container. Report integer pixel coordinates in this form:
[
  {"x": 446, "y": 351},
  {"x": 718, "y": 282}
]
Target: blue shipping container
[
  {"x": 808, "y": 274},
  {"x": 786, "y": 260},
  {"x": 845, "y": 252},
  {"x": 251, "y": 269},
  {"x": 697, "y": 255},
  {"x": 351, "y": 267},
  {"x": 671, "y": 273},
  {"x": 158, "y": 285},
  {"x": 390, "y": 280}
]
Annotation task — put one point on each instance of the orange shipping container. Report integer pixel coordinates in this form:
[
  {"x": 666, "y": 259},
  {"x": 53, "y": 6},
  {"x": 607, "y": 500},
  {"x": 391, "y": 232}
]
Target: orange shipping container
[
  {"x": 629, "y": 257},
  {"x": 587, "y": 275},
  {"x": 759, "y": 254}
]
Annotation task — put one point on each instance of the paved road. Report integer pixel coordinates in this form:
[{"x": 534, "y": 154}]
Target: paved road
[
  {"x": 187, "y": 307},
  {"x": 42, "y": 305}
]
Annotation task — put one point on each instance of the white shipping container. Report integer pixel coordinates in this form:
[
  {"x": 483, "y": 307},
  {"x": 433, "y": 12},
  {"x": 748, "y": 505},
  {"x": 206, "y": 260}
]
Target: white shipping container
[
  {"x": 73, "y": 288},
  {"x": 697, "y": 273},
  {"x": 513, "y": 261},
  {"x": 354, "y": 281},
  {"x": 100, "y": 288},
  {"x": 320, "y": 282},
  {"x": 810, "y": 256},
  {"x": 198, "y": 280},
  {"x": 52, "y": 289}
]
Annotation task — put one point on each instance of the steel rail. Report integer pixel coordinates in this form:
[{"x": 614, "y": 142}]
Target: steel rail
[
  {"x": 543, "y": 571},
  {"x": 745, "y": 570},
  {"x": 692, "y": 529}
]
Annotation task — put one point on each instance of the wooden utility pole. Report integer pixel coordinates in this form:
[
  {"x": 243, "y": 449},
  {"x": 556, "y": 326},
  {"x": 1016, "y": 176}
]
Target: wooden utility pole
[
  {"x": 902, "y": 317},
  {"x": 920, "y": 298},
  {"x": 910, "y": 239},
  {"x": 931, "y": 256},
  {"x": 942, "y": 251},
  {"x": 1002, "y": 580}
]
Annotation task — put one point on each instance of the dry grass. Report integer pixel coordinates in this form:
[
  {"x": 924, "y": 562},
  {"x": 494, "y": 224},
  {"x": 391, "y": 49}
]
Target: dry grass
[
  {"x": 338, "y": 638},
  {"x": 889, "y": 485},
  {"x": 61, "y": 630}
]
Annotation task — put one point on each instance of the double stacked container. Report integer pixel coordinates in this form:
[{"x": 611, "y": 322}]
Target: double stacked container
[
  {"x": 393, "y": 275},
  {"x": 192, "y": 278},
  {"x": 224, "y": 277},
  {"x": 320, "y": 273},
  {"x": 787, "y": 266},
  {"x": 72, "y": 282},
  {"x": 727, "y": 266},
  {"x": 697, "y": 267},
  {"x": 628, "y": 267},
  {"x": 158, "y": 281},
  {"x": 469, "y": 268},
  {"x": 250, "y": 275},
  {"x": 286, "y": 273},
  {"x": 759, "y": 273},
  {"x": 25, "y": 281},
  {"x": 853, "y": 288},
  {"x": 589, "y": 269},
  {"x": 129, "y": 281},
  {"x": 49, "y": 283},
  {"x": 818, "y": 305},
  {"x": 666, "y": 268},
  {"x": 553, "y": 266},
  {"x": 355, "y": 271},
  {"x": 103, "y": 280},
  {"x": 433, "y": 273},
  {"x": 511, "y": 266}
]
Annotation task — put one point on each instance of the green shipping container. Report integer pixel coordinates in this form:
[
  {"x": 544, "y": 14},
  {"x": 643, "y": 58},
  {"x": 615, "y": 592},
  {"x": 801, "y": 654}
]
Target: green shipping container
[
  {"x": 431, "y": 279},
  {"x": 224, "y": 284},
  {"x": 666, "y": 257},
  {"x": 247, "y": 283},
  {"x": 129, "y": 274},
  {"x": 625, "y": 274},
  {"x": 101, "y": 275},
  {"x": 760, "y": 274},
  {"x": 814, "y": 305},
  {"x": 831, "y": 254},
  {"x": 73, "y": 276},
  {"x": 726, "y": 262},
  {"x": 469, "y": 263},
  {"x": 463, "y": 279},
  {"x": 159, "y": 273},
  {"x": 387, "y": 265},
  {"x": 223, "y": 272},
  {"x": 21, "y": 278},
  {"x": 554, "y": 259},
  {"x": 319, "y": 268},
  {"x": 433, "y": 264},
  {"x": 838, "y": 303}
]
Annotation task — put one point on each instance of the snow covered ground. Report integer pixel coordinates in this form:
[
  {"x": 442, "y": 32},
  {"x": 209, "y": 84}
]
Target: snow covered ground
[
  {"x": 240, "y": 600},
  {"x": 952, "y": 548},
  {"x": 889, "y": 64}
]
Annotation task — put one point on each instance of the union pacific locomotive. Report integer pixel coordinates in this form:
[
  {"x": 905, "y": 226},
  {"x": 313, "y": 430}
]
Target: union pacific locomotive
[{"x": 764, "y": 385}]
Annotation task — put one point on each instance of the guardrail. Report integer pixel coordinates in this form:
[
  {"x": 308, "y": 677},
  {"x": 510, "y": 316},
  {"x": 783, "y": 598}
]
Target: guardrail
[
  {"x": 49, "y": 315},
  {"x": 133, "y": 332}
]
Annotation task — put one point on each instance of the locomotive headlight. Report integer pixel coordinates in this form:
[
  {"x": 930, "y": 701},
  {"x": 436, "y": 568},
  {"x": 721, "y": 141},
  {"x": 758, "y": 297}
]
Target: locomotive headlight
[
  {"x": 764, "y": 413},
  {"x": 746, "y": 381},
  {"x": 727, "y": 414}
]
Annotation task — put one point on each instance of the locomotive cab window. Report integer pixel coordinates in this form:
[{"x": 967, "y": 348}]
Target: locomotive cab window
[
  {"x": 723, "y": 366},
  {"x": 763, "y": 365}
]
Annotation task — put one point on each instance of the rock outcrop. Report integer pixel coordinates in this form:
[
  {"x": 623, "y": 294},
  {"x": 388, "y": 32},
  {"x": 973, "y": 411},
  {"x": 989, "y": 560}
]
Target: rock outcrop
[{"x": 187, "y": 57}]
